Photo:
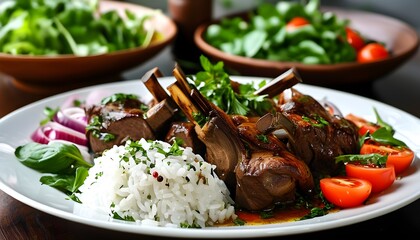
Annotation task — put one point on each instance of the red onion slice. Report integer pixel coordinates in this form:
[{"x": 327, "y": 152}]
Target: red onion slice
[
  {"x": 55, "y": 131},
  {"x": 72, "y": 117}
]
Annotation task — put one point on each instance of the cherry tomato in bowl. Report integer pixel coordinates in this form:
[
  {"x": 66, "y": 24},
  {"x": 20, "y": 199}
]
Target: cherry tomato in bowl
[
  {"x": 345, "y": 192},
  {"x": 354, "y": 39},
  {"x": 400, "y": 157},
  {"x": 381, "y": 178},
  {"x": 296, "y": 22},
  {"x": 372, "y": 52}
]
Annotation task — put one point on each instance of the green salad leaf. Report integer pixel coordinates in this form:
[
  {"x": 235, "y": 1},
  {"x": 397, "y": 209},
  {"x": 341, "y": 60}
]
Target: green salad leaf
[
  {"x": 53, "y": 27},
  {"x": 263, "y": 34}
]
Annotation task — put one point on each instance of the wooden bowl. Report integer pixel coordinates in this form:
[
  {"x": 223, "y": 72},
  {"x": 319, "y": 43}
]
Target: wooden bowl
[
  {"x": 39, "y": 72},
  {"x": 397, "y": 35}
]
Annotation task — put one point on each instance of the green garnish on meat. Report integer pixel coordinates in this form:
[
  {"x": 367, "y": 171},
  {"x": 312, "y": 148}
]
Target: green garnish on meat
[{"x": 215, "y": 84}]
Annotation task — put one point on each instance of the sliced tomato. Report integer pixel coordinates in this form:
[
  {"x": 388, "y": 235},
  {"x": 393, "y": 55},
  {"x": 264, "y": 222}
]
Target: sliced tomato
[
  {"x": 345, "y": 192},
  {"x": 380, "y": 178},
  {"x": 363, "y": 125},
  {"x": 400, "y": 157},
  {"x": 354, "y": 39},
  {"x": 296, "y": 22},
  {"x": 372, "y": 52}
]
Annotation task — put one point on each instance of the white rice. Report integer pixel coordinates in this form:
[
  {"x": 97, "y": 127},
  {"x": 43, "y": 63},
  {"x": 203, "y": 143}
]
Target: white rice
[{"x": 190, "y": 194}]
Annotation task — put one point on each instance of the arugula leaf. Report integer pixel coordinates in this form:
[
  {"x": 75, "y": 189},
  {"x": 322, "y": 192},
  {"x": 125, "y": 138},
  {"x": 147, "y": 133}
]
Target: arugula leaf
[
  {"x": 365, "y": 159},
  {"x": 382, "y": 123},
  {"x": 385, "y": 136}
]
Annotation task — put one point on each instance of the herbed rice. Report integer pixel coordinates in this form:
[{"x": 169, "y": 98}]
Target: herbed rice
[{"x": 153, "y": 182}]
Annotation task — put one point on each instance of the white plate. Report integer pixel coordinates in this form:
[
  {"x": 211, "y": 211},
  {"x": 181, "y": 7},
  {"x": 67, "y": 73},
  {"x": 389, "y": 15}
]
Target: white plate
[{"x": 23, "y": 183}]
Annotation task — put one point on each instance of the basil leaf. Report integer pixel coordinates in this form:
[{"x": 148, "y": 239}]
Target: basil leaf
[
  {"x": 63, "y": 183},
  {"x": 68, "y": 184},
  {"x": 51, "y": 158},
  {"x": 81, "y": 174}
]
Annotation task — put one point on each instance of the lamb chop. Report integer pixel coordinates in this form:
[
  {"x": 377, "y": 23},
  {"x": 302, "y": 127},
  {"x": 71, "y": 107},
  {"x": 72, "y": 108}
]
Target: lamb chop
[
  {"x": 314, "y": 135},
  {"x": 258, "y": 178},
  {"x": 214, "y": 128},
  {"x": 114, "y": 122},
  {"x": 165, "y": 117},
  {"x": 271, "y": 174},
  {"x": 125, "y": 117}
]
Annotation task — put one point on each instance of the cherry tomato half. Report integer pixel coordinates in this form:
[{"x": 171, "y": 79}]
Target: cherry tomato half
[
  {"x": 296, "y": 22},
  {"x": 372, "y": 52},
  {"x": 354, "y": 39},
  {"x": 380, "y": 178},
  {"x": 400, "y": 157},
  {"x": 363, "y": 125},
  {"x": 345, "y": 192}
]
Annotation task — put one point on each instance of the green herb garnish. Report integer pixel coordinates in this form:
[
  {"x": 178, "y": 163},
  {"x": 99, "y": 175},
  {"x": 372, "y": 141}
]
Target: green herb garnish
[
  {"x": 215, "y": 84},
  {"x": 119, "y": 98},
  {"x": 95, "y": 125}
]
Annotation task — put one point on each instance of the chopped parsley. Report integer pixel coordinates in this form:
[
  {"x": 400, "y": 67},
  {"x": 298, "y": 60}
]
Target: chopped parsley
[
  {"x": 95, "y": 125},
  {"x": 263, "y": 138},
  {"x": 316, "y": 120}
]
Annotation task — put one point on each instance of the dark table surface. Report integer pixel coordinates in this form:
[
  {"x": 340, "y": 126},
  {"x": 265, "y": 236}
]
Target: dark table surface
[{"x": 399, "y": 89}]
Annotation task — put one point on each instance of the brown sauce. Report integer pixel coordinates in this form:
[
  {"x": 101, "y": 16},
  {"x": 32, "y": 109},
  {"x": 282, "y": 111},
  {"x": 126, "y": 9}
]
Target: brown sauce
[{"x": 288, "y": 213}]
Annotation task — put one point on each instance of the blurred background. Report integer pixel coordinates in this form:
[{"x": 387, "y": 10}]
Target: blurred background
[
  {"x": 399, "y": 88},
  {"x": 404, "y": 10}
]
